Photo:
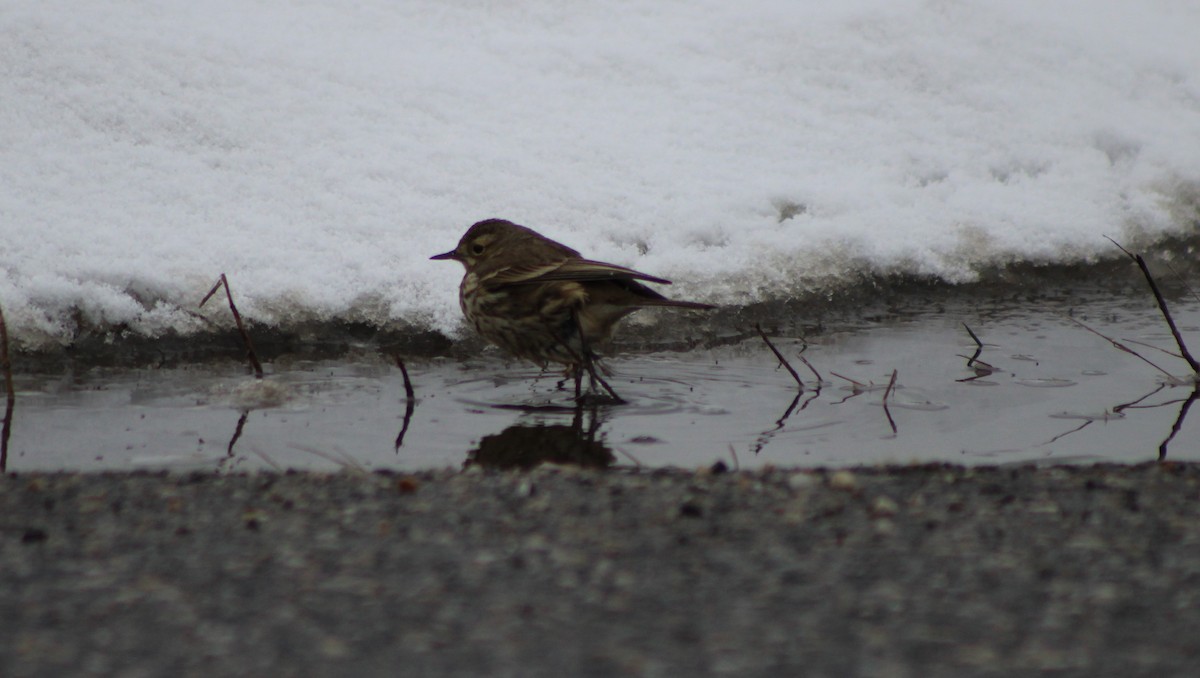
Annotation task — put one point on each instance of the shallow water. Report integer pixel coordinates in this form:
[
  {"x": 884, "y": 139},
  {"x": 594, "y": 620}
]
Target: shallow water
[{"x": 1057, "y": 393}]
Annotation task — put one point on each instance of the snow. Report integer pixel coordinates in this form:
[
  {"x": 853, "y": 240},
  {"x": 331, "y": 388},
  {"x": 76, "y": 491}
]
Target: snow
[{"x": 319, "y": 153}]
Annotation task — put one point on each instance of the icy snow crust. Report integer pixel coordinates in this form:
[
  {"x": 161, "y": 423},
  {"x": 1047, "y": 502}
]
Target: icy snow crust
[{"x": 319, "y": 153}]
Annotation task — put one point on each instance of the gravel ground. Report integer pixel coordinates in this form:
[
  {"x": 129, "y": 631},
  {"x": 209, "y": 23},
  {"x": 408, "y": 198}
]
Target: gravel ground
[{"x": 905, "y": 571}]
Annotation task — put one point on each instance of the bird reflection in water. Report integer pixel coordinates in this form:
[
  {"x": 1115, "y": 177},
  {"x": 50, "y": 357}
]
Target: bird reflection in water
[{"x": 523, "y": 446}]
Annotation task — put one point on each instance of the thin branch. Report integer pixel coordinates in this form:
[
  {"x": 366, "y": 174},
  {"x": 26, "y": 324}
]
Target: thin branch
[
  {"x": 858, "y": 385},
  {"x": 1182, "y": 281},
  {"x": 811, "y": 368},
  {"x": 408, "y": 387},
  {"x": 782, "y": 360},
  {"x": 251, "y": 355},
  {"x": 1156, "y": 348},
  {"x": 1162, "y": 306},
  {"x": 975, "y": 338},
  {"x": 1121, "y": 347}
]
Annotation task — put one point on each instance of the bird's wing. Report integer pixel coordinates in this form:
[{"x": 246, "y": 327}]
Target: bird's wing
[{"x": 575, "y": 270}]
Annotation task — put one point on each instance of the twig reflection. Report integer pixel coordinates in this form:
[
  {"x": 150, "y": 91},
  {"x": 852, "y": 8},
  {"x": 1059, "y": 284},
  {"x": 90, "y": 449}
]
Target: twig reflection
[
  {"x": 10, "y": 394},
  {"x": 410, "y": 402}
]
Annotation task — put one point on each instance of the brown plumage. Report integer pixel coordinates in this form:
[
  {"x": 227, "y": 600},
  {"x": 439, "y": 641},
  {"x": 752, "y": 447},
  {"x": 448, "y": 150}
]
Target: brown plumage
[{"x": 541, "y": 300}]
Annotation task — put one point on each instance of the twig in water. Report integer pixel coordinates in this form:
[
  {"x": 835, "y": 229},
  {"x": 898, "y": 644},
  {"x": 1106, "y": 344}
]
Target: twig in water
[
  {"x": 410, "y": 402},
  {"x": 237, "y": 318},
  {"x": 981, "y": 368},
  {"x": 782, "y": 360},
  {"x": 891, "y": 386},
  {"x": 1121, "y": 346},
  {"x": 1182, "y": 281},
  {"x": 977, "y": 364},
  {"x": 408, "y": 387},
  {"x": 859, "y": 387},
  {"x": 1162, "y": 306},
  {"x": 811, "y": 369},
  {"x": 968, "y": 329},
  {"x": 1162, "y": 448},
  {"x": 10, "y": 393},
  {"x": 1156, "y": 348},
  {"x": 974, "y": 356}
]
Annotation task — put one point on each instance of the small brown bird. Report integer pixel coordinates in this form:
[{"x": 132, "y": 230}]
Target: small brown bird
[{"x": 541, "y": 300}]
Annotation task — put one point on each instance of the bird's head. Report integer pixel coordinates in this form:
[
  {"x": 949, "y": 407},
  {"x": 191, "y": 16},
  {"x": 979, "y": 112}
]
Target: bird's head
[{"x": 484, "y": 240}]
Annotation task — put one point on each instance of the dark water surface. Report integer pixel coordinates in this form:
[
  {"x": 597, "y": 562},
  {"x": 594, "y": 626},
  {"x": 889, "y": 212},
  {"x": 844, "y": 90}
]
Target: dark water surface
[{"x": 1054, "y": 392}]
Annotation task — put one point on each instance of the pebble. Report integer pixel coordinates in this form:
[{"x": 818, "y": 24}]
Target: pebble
[{"x": 843, "y": 480}]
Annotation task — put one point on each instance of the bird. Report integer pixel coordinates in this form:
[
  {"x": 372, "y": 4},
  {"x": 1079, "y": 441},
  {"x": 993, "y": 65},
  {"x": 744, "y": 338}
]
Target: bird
[{"x": 542, "y": 301}]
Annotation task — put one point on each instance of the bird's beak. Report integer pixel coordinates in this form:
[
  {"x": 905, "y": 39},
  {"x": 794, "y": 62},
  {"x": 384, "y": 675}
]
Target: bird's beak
[{"x": 452, "y": 254}]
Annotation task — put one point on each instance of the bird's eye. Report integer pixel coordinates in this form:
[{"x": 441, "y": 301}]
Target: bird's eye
[{"x": 477, "y": 249}]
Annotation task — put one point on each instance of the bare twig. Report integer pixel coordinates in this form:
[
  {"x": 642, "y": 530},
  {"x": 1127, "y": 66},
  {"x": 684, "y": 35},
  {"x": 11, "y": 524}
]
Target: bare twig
[
  {"x": 975, "y": 338},
  {"x": 1121, "y": 347},
  {"x": 978, "y": 351},
  {"x": 782, "y": 360},
  {"x": 891, "y": 385},
  {"x": 251, "y": 355},
  {"x": 408, "y": 387},
  {"x": 10, "y": 393},
  {"x": 1152, "y": 346},
  {"x": 1182, "y": 281},
  {"x": 811, "y": 368},
  {"x": 1162, "y": 306},
  {"x": 858, "y": 385}
]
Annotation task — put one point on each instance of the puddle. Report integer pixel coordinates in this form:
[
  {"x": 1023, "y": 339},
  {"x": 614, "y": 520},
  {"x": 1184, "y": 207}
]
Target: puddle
[{"x": 1043, "y": 389}]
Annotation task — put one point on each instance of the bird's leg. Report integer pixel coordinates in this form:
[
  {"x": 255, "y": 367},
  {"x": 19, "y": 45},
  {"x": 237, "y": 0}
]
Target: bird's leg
[
  {"x": 584, "y": 359},
  {"x": 589, "y": 362},
  {"x": 594, "y": 377}
]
